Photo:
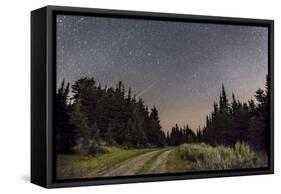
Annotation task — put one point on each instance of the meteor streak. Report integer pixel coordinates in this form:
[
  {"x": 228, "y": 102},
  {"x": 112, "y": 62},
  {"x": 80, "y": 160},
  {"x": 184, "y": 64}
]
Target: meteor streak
[{"x": 146, "y": 89}]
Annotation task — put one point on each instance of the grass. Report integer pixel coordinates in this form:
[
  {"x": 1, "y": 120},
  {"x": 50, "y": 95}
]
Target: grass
[
  {"x": 202, "y": 157},
  {"x": 77, "y": 166},
  {"x": 184, "y": 158},
  {"x": 175, "y": 163}
]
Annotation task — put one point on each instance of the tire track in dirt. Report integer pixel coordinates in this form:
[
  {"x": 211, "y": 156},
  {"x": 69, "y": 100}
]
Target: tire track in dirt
[
  {"x": 131, "y": 166},
  {"x": 160, "y": 165}
]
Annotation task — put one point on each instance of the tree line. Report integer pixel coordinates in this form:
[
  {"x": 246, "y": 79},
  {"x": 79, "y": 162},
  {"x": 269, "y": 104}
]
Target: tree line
[
  {"x": 231, "y": 122},
  {"x": 180, "y": 135},
  {"x": 95, "y": 115},
  {"x": 89, "y": 116},
  {"x": 235, "y": 121}
]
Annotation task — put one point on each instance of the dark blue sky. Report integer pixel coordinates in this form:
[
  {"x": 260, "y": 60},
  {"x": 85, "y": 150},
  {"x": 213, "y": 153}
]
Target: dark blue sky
[{"x": 178, "y": 67}]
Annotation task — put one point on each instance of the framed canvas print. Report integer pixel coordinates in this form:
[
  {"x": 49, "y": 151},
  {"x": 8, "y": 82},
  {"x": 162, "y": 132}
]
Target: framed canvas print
[{"x": 124, "y": 96}]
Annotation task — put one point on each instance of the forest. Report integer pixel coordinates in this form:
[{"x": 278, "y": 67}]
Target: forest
[
  {"x": 95, "y": 116},
  {"x": 231, "y": 122},
  {"x": 90, "y": 117}
]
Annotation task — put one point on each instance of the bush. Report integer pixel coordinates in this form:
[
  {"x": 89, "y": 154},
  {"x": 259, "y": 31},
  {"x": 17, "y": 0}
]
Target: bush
[
  {"x": 206, "y": 157},
  {"x": 91, "y": 148}
]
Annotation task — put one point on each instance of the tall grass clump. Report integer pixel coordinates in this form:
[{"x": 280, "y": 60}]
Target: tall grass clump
[{"x": 206, "y": 157}]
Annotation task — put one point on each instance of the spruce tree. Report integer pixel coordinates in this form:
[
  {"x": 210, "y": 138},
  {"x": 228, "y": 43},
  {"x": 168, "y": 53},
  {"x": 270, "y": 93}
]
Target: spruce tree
[{"x": 65, "y": 135}]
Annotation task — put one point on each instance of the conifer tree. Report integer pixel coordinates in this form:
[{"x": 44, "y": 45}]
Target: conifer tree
[{"x": 64, "y": 130}]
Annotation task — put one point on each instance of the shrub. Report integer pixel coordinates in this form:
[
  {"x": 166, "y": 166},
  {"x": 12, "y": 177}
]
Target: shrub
[
  {"x": 91, "y": 148},
  {"x": 206, "y": 157}
]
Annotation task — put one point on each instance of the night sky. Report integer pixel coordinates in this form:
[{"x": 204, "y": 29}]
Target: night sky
[{"x": 178, "y": 67}]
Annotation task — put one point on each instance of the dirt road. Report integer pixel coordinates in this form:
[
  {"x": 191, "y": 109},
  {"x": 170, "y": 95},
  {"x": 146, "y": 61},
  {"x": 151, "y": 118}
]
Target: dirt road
[
  {"x": 149, "y": 163},
  {"x": 160, "y": 165}
]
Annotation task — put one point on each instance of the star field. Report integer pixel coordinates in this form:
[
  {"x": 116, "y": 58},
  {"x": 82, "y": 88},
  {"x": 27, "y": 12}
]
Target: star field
[{"x": 178, "y": 67}]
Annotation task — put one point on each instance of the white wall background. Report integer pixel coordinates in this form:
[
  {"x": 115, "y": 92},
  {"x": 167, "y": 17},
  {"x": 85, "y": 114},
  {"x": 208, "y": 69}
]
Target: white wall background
[{"x": 15, "y": 95}]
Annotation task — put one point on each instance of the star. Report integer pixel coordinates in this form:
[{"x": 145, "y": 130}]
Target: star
[{"x": 189, "y": 61}]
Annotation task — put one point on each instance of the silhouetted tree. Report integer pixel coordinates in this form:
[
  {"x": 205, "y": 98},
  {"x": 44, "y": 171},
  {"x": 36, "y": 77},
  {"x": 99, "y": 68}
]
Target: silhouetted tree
[
  {"x": 108, "y": 115},
  {"x": 236, "y": 121},
  {"x": 65, "y": 136}
]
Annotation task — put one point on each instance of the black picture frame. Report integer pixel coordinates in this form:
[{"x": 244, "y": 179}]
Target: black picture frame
[{"x": 43, "y": 85}]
